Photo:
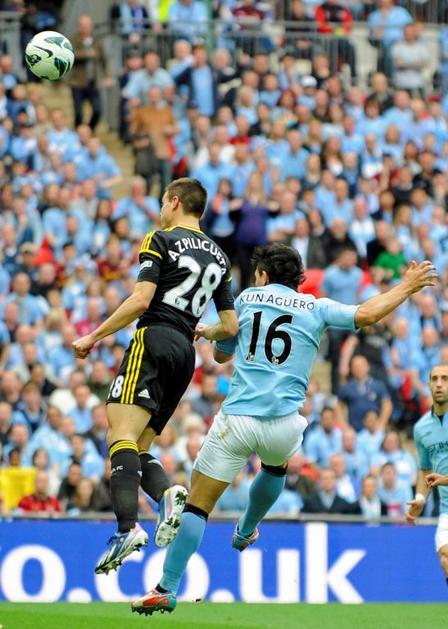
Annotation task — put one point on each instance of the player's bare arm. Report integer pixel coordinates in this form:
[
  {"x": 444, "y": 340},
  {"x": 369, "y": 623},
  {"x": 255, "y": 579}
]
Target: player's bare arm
[
  {"x": 434, "y": 479},
  {"x": 422, "y": 490},
  {"x": 134, "y": 306},
  {"x": 417, "y": 276},
  {"x": 226, "y": 328}
]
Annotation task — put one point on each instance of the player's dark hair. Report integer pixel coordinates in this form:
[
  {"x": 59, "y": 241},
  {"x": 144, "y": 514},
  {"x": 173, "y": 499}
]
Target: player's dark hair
[
  {"x": 191, "y": 193},
  {"x": 283, "y": 264}
]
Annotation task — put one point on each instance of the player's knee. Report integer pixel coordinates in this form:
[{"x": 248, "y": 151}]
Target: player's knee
[{"x": 275, "y": 470}]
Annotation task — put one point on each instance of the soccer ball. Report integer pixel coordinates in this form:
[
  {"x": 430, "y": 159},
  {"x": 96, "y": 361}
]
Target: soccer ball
[{"x": 49, "y": 55}]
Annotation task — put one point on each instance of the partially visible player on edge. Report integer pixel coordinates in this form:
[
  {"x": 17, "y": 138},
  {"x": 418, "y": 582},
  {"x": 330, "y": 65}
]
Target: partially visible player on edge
[
  {"x": 181, "y": 269},
  {"x": 431, "y": 441},
  {"x": 279, "y": 338}
]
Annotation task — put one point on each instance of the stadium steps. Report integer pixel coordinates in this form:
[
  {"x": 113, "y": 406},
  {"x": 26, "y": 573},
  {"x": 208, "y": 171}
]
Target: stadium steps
[{"x": 57, "y": 95}]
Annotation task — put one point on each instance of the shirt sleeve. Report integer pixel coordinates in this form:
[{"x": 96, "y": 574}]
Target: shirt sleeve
[
  {"x": 338, "y": 315},
  {"x": 422, "y": 452},
  {"x": 222, "y": 296},
  {"x": 151, "y": 257}
]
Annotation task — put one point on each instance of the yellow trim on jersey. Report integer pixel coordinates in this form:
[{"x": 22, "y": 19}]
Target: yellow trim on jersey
[
  {"x": 138, "y": 365},
  {"x": 147, "y": 241},
  {"x": 152, "y": 252},
  {"x": 124, "y": 444},
  {"x": 129, "y": 368},
  {"x": 193, "y": 229}
]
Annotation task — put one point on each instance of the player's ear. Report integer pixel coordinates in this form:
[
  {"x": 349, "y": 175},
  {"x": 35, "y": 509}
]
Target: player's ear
[
  {"x": 265, "y": 278},
  {"x": 175, "y": 202}
]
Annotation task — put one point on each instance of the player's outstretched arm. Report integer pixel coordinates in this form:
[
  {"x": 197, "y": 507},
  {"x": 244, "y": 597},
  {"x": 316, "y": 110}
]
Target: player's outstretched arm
[
  {"x": 417, "y": 276},
  {"x": 126, "y": 313},
  {"x": 226, "y": 328},
  {"x": 435, "y": 479},
  {"x": 416, "y": 506}
]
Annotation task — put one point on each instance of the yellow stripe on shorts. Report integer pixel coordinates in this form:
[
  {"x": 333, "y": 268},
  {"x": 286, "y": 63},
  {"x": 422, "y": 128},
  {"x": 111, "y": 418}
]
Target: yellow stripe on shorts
[
  {"x": 138, "y": 364},
  {"x": 127, "y": 375}
]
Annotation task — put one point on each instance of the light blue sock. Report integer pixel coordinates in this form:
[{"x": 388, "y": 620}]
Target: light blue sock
[
  {"x": 264, "y": 491},
  {"x": 187, "y": 542}
]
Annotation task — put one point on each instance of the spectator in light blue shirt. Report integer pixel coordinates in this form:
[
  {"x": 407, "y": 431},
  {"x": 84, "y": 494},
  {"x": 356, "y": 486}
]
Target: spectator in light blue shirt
[
  {"x": 395, "y": 494},
  {"x": 340, "y": 205},
  {"x": 401, "y": 114},
  {"x": 48, "y": 436},
  {"x": 293, "y": 157},
  {"x": 324, "y": 441},
  {"x": 200, "y": 79},
  {"x": 5, "y": 281},
  {"x": 212, "y": 171},
  {"x": 351, "y": 140},
  {"x": 371, "y": 120},
  {"x": 236, "y": 495},
  {"x": 95, "y": 163},
  {"x": 152, "y": 75},
  {"x": 385, "y": 28},
  {"x": 61, "y": 139},
  {"x": 61, "y": 359},
  {"x": 290, "y": 502},
  {"x": 81, "y": 413},
  {"x": 282, "y": 226},
  {"x": 141, "y": 210},
  {"x": 24, "y": 145},
  {"x": 393, "y": 452},
  {"x": 31, "y": 313},
  {"x": 370, "y": 438},
  {"x": 324, "y": 191},
  {"x": 342, "y": 280},
  {"x": 85, "y": 453},
  {"x": 241, "y": 169},
  {"x": 188, "y": 18}
]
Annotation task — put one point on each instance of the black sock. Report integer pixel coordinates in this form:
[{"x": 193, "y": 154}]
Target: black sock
[
  {"x": 154, "y": 480},
  {"x": 189, "y": 508},
  {"x": 160, "y": 589},
  {"x": 124, "y": 483}
]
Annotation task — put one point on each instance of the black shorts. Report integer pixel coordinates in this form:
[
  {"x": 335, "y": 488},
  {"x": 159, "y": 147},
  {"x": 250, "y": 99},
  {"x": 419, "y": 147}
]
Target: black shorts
[{"x": 156, "y": 370}]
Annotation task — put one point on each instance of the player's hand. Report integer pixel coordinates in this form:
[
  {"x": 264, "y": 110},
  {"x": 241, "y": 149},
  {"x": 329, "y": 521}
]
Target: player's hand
[
  {"x": 415, "y": 509},
  {"x": 81, "y": 347},
  {"x": 434, "y": 479},
  {"x": 202, "y": 331},
  {"x": 417, "y": 276}
]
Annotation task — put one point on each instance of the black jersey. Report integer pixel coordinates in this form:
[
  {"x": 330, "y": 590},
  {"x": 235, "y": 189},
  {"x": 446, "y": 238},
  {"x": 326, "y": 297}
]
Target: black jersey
[{"x": 189, "y": 269}]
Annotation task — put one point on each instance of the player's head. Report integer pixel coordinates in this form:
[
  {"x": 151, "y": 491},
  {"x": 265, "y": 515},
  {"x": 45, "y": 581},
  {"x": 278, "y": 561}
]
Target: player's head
[
  {"x": 278, "y": 264},
  {"x": 438, "y": 383},
  {"x": 183, "y": 197}
]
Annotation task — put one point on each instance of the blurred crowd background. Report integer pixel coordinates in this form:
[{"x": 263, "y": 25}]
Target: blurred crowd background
[{"x": 324, "y": 126}]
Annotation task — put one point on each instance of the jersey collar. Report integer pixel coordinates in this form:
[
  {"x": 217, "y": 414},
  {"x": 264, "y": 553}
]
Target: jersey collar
[{"x": 192, "y": 229}]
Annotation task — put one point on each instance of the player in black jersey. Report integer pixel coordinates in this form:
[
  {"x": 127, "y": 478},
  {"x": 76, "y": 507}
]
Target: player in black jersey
[{"x": 181, "y": 269}]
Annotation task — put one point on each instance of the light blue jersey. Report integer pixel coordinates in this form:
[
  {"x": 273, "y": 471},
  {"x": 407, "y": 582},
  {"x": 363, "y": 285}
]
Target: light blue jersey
[
  {"x": 431, "y": 440},
  {"x": 280, "y": 332}
]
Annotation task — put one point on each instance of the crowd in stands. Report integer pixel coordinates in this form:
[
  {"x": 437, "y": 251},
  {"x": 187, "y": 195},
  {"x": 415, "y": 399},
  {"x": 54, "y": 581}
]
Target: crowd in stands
[{"x": 354, "y": 178}]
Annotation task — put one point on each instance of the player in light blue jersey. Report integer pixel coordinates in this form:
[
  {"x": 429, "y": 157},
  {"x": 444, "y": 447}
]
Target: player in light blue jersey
[
  {"x": 280, "y": 332},
  {"x": 431, "y": 440}
]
